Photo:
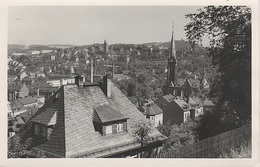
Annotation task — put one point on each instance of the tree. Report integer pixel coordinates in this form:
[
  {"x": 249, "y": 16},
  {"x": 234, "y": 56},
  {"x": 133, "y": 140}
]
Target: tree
[
  {"x": 229, "y": 32},
  {"x": 178, "y": 135},
  {"x": 17, "y": 149},
  {"x": 141, "y": 132}
]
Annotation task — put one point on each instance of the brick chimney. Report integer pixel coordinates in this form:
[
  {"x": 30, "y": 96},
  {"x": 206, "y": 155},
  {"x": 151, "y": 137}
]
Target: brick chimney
[
  {"x": 79, "y": 80},
  {"x": 107, "y": 85}
]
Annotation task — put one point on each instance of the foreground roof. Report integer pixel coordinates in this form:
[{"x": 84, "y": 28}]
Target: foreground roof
[{"x": 74, "y": 134}]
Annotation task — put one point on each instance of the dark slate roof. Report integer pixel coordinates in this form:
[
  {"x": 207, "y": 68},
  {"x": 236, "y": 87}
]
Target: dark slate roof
[
  {"x": 30, "y": 112},
  {"x": 45, "y": 117},
  {"x": 26, "y": 100},
  {"x": 74, "y": 134},
  {"x": 194, "y": 83},
  {"x": 152, "y": 109},
  {"x": 107, "y": 114}
]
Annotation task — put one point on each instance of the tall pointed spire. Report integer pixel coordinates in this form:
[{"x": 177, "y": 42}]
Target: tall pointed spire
[
  {"x": 172, "y": 64},
  {"x": 173, "y": 50}
]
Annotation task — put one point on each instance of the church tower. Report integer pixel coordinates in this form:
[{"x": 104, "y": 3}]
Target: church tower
[{"x": 172, "y": 64}]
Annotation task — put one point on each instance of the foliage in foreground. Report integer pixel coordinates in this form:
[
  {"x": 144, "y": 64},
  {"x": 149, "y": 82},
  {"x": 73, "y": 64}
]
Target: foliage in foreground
[
  {"x": 19, "y": 149},
  {"x": 178, "y": 135},
  {"x": 245, "y": 151},
  {"x": 229, "y": 32}
]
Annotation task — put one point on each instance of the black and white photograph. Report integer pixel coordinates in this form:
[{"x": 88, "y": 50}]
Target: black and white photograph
[{"x": 151, "y": 82}]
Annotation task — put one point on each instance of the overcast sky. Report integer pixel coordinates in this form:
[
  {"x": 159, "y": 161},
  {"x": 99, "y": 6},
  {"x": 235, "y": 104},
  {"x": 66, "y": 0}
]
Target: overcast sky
[{"x": 80, "y": 25}]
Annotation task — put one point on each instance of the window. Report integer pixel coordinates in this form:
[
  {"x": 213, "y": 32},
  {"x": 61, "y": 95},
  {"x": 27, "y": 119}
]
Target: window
[
  {"x": 108, "y": 129},
  {"x": 119, "y": 127}
]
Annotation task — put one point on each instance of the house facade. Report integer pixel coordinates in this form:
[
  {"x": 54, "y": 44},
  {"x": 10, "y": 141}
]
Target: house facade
[
  {"x": 175, "y": 110},
  {"x": 153, "y": 113},
  {"x": 17, "y": 91}
]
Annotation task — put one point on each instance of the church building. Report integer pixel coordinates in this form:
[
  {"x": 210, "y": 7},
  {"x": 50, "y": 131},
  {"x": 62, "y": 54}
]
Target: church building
[{"x": 179, "y": 87}]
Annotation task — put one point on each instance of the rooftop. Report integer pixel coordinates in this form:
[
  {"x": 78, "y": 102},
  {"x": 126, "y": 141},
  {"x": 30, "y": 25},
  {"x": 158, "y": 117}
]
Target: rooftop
[
  {"x": 26, "y": 100},
  {"x": 74, "y": 134},
  {"x": 107, "y": 114}
]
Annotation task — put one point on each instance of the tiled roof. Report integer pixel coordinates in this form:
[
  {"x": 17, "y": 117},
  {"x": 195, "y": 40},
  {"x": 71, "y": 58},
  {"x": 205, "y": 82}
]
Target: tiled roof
[
  {"x": 107, "y": 114},
  {"x": 27, "y": 100},
  {"x": 74, "y": 134}
]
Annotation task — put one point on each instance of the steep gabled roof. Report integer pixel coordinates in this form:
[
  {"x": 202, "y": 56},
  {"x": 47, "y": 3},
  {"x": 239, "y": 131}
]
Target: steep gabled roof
[
  {"x": 74, "y": 134},
  {"x": 152, "y": 109}
]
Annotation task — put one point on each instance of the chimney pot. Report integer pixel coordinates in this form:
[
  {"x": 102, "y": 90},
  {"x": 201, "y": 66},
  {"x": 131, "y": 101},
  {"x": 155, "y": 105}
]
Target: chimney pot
[{"x": 79, "y": 80}]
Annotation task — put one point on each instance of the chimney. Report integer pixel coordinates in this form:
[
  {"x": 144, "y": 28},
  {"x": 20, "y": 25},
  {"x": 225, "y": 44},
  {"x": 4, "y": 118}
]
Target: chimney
[
  {"x": 91, "y": 75},
  {"x": 79, "y": 81},
  {"x": 113, "y": 70},
  {"x": 38, "y": 91},
  {"x": 107, "y": 85}
]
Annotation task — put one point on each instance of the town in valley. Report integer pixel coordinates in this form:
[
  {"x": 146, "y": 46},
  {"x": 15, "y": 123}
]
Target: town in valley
[{"x": 172, "y": 99}]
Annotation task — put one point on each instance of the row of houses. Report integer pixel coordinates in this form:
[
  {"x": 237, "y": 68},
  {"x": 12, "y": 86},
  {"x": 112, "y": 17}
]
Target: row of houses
[{"x": 174, "y": 110}]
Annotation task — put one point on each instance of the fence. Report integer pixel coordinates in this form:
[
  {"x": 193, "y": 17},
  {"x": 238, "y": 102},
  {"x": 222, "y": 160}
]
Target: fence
[{"x": 211, "y": 147}]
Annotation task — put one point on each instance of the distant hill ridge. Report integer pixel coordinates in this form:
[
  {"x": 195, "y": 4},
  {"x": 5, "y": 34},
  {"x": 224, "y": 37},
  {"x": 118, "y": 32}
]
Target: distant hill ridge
[{"x": 179, "y": 44}]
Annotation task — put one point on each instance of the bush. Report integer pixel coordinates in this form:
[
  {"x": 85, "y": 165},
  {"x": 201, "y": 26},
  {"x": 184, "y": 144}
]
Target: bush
[{"x": 245, "y": 151}]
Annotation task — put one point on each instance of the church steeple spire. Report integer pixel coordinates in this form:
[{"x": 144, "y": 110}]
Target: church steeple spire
[
  {"x": 172, "y": 63},
  {"x": 173, "y": 50}
]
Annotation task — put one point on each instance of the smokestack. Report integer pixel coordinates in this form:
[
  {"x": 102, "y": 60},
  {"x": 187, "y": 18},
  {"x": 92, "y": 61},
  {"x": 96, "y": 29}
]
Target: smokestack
[
  {"x": 91, "y": 75},
  {"x": 107, "y": 85},
  {"x": 113, "y": 70}
]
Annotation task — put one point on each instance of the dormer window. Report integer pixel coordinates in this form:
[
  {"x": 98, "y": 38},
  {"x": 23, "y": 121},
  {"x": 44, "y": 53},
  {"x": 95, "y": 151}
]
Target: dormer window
[
  {"x": 108, "y": 121},
  {"x": 44, "y": 123}
]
